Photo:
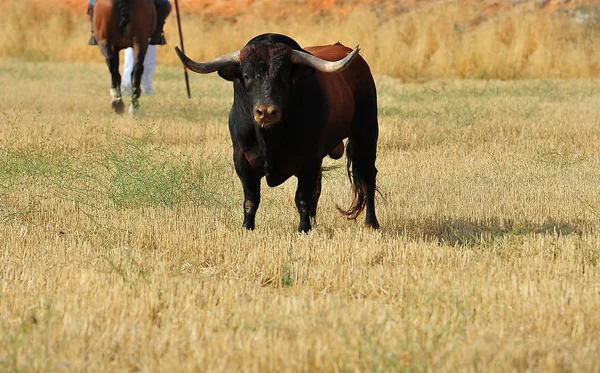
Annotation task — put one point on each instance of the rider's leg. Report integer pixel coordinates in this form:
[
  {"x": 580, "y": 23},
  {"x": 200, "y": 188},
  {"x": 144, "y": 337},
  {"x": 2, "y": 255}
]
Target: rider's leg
[
  {"x": 163, "y": 8},
  {"x": 90, "y": 12},
  {"x": 149, "y": 66}
]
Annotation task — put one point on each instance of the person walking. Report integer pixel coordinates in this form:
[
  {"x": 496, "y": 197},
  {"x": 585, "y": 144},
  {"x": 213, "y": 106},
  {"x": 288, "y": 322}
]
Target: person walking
[{"x": 149, "y": 66}]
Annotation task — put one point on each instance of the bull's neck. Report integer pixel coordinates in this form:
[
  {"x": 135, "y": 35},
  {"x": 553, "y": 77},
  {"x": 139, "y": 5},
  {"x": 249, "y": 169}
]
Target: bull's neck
[
  {"x": 270, "y": 141},
  {"x": 272, "y": 145}
]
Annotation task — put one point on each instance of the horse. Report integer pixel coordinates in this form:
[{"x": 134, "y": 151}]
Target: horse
[{"x": 111, "y": 37}]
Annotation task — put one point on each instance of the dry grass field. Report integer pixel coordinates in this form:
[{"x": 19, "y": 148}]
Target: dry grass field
[{"x": 121, "y": 246}]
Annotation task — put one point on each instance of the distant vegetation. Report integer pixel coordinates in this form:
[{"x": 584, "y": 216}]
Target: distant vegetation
[{"x": 422, "y": 40}]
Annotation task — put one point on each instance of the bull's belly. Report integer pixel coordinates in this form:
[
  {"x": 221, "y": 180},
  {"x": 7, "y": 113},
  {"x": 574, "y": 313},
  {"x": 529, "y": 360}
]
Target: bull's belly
[
  {"x": 337, "y": 151},
  {"x": 276, "y": 179},
  {"x": 274, "y": 174}
]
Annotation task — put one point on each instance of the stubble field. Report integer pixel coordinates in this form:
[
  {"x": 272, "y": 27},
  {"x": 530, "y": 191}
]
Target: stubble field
[{"x": 121, "y": 246}]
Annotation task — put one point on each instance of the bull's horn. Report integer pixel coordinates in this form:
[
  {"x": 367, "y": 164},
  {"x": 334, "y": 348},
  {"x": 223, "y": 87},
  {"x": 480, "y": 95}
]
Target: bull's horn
[
  {"x": 323, "y": 65},
  {"x": 209, "y": 66}
]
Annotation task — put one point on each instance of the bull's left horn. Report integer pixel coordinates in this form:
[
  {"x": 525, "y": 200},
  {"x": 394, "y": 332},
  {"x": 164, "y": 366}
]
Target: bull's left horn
[
  {"x": 209, "y": 66},
  {"x": 323, "y": 65}
]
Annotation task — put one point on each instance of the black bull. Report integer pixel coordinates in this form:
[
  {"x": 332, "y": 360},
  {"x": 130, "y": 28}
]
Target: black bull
[{"x": 291, "y": 108}]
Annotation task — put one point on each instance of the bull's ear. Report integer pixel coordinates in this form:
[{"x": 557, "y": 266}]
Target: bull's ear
[
  {"x": 300, "y": 72},
  {"x": 231, "y": 73}
]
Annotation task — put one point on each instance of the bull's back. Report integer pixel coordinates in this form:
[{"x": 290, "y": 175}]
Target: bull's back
[
  {"x": 357, "y": 76},
  {"x": 342, "y": 90}
]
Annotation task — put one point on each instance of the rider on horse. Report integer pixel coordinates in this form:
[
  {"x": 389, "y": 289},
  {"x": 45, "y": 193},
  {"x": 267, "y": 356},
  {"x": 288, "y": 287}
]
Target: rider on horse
[{"x": 162, "y": 10}]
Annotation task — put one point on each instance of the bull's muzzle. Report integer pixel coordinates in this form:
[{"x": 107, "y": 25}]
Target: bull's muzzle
[{"x": 266, "y": 115}]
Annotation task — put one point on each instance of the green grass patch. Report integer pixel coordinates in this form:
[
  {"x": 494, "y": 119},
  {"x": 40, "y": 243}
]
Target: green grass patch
[{"x": 125, "y": 173}]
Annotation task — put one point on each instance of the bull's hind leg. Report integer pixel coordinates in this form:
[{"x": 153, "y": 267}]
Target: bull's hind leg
[
  {"x": 139, "y": 54},
  {"x": 112, "y": 60},
  {"x": 251, "y": 185},
  {"x": 361, "y": 152},
  {"x": 307, "y": 196}
]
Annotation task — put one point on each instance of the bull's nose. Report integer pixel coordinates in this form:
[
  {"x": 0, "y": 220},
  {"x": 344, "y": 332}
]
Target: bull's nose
[{"x": 266, "y": 114}]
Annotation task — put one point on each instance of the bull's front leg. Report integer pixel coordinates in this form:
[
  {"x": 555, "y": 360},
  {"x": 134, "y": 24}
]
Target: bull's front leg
[
  {"x": 306, "y": 196},
  {"x": 315, "y": 200},
  {"x": 251, "y": 185}
]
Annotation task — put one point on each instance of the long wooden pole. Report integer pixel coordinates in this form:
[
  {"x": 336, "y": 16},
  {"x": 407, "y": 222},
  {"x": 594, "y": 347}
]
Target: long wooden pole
[{"x": 185, "y": 73}]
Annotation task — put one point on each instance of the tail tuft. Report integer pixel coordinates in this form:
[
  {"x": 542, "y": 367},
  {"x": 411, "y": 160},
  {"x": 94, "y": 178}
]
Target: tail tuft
[{"x": 358, "y": 189}]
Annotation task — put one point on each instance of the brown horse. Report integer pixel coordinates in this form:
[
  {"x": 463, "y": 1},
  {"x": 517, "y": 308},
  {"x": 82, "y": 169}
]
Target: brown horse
[{"x": 110, "y": 39}]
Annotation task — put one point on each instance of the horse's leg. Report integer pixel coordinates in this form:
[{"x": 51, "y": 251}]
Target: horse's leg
[
  {"x": 112, "y": 60},
  {"x": 139, "y": 53}
]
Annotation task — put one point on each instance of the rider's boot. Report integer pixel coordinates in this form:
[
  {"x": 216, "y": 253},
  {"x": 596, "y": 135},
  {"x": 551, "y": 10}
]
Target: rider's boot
[{"x": 162, "y": 11}]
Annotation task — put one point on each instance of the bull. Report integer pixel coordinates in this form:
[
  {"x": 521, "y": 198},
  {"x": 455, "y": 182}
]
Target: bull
[{"x": 291, "y": 108}]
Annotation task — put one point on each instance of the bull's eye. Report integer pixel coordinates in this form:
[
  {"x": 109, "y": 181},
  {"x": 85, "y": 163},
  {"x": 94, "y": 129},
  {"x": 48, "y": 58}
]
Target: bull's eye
[{"x": 246, "y": 78}]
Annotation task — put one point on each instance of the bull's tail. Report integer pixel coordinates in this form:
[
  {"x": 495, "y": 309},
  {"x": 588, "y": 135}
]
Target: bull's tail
[{"x": 358, "y": 187}]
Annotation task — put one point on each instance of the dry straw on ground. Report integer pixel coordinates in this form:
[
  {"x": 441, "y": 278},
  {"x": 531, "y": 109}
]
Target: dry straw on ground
[
  {"x": 121, "y": 246},
  {"x": 466, "y": 39},
  {"x": 120, "y": 239}
]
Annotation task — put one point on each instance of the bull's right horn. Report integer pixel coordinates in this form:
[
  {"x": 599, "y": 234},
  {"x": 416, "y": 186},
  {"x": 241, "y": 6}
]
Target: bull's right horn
[
  {"x": 209, "y": 66},
  {"x": 308, "y": 59}
]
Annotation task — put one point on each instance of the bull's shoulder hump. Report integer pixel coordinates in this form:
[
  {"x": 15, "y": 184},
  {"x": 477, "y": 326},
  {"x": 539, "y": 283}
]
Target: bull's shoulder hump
[{"x": 329, "y": 52}]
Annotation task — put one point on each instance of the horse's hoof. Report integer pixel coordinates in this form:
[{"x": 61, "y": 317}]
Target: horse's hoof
[
  {"x": 118, "y": 106},
  {"x": 132, "y": 110}
]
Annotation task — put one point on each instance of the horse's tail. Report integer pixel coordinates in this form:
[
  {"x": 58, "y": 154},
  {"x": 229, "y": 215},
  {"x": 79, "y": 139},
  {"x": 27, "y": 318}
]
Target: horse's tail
[{"x": 358, "y": 192}]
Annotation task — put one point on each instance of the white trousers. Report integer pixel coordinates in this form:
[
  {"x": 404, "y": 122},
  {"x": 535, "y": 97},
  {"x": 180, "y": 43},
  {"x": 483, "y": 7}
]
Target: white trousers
[{"x": 149, "y": 65}]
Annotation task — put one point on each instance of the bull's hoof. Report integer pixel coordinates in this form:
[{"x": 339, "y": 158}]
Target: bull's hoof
[
  {"x": 304, "y": 227},
  {"x": 248, "y": 223},
  {"x": 372, "y": 225},
  {"x": 118, "y": 106}
]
